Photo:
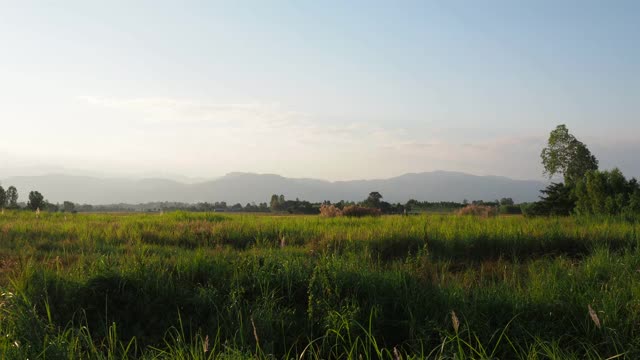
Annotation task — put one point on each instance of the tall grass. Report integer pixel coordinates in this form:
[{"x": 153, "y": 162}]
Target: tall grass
[{"x": 201, "y": 286}]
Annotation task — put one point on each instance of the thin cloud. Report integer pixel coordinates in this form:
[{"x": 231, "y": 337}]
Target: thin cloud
[
  {"x": 205, "y": 138},
  {"x": 187, "y": 111}
]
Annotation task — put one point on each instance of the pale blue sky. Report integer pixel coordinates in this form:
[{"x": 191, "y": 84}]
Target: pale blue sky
[{"x": 327, "y": 89}]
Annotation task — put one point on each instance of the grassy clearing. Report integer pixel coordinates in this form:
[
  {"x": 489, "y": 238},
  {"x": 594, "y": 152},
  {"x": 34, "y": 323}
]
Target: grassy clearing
[{"x": 201, "y": 286}]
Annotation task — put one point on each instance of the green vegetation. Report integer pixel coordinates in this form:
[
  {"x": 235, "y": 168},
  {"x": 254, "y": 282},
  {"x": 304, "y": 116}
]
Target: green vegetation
[
  {"x": 586, "y": 190},
  {"x": 3, "y": 198},
  {"x": 567, "y": 155},
  {"x": 349, "y": 284},
  {"x": 36, "y": 201},
  {"x": 203, "y": 285},
  {"x": 12, "y": 197},
  {"x": 607, "y": 192}
]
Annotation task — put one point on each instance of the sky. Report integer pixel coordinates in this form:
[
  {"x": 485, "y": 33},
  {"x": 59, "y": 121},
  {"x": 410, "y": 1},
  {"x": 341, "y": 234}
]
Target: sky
[{"x": 333, "y": 90}]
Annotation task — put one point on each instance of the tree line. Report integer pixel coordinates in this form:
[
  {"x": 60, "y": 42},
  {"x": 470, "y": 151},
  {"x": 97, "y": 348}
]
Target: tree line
[
  {"x": 277, "y": 204},
  {"x": 9, "y": 200},
  {"x": 375, "y": 201}
]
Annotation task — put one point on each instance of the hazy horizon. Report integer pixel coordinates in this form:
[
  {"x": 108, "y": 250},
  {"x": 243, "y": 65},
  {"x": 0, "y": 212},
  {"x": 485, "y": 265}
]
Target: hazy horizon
[
  {"x": 38, "y": 172},
  {"x": 250, "y": 187},
  {"x": 331, "y": 90}
]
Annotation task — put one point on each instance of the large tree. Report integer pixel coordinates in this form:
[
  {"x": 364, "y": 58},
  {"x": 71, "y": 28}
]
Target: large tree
[
  {"x": 12, "y": 197},
  {"x": 36, "y": 201},
  {"x": 567, "y": 155}
]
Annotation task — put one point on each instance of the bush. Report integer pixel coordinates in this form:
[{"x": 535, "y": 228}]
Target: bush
[
  {"x": 330, "y": 211},
  {"x": 510, "y": 210},
  {"x": 538, "y": 208},
  {"x": 478, "y": 210},
  {"x": 360, "y": 211}
]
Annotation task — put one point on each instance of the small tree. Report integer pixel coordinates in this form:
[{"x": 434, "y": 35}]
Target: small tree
[
  {"x": 36, "y": 201},
  {"x": 12, "y": 197},
  {"x": 274, "y": 203},
  {"x": 506, "y": 201},
  {"x": 3, "y": 198},
  {"x": 51, "y": 207},
  {"x": 373, "y": 200},
  {"x": 558, "y": 200},
  {"x": 278, "y": 202},
  {"x": 68, "y": 206}
]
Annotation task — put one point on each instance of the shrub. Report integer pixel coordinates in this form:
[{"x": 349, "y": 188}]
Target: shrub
[
  {"x": 330, "y": 211},
  {"x": 360, "y": 211},
  {"x": 478, "y": 210},
  {"x": 510, "y": 210}
]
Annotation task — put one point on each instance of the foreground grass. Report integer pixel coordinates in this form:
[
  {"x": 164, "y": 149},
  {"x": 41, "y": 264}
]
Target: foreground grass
[{"x": 199, "y": 286}]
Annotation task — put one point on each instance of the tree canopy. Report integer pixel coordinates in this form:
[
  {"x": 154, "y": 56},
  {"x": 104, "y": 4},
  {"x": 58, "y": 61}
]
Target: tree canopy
[
  {"x": 36, "y": 201},
  {"x": 567, "y": 155},
  {"x": 12, "y": 197},
  {"x": 585, "y": 191},
  {"x": 607, "y": 193},
  {"x": 373, "y": 200}
]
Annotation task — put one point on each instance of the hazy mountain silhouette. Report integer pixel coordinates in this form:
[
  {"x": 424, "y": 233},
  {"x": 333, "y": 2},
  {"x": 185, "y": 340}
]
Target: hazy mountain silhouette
[{"x": 249, "y": 187}]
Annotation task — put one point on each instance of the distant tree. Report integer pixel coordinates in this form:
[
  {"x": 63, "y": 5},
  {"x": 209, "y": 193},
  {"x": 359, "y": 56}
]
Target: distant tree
[
  {"x": 566, "y": 155},
  {"x": 12, "y": 197},
  {"x": 510, "y": 209},
  {"x": 506, "y": 201},
  {"x": 3, "y": 198},
  {"x": 36, "y": 201},
  {"x": 373, "y": 200},
  {"x": 68, "y": 206},
  {"x": 85, "y": 208},
  {"x": 51, "y": 207},
  {"x": 221, "y": 205},
  {"x": 507, "y": 206},
  {"x": 274, "y": 203},
  {"x": 278, "y": 203}
]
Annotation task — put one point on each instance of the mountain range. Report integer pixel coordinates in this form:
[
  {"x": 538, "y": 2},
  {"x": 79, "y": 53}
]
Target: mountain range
[{"x": 250, "y": 187}]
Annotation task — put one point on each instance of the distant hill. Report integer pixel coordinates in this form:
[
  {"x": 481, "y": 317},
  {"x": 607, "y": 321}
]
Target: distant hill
[{"x": 249, "y": 187}]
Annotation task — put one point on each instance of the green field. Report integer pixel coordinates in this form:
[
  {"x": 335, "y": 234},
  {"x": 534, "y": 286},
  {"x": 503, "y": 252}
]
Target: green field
[{"x": 203, "y": 285}]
